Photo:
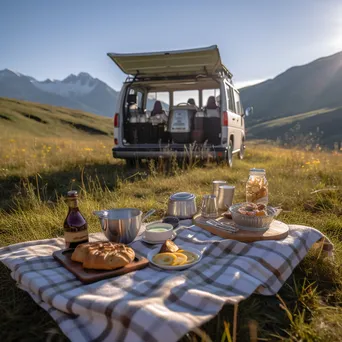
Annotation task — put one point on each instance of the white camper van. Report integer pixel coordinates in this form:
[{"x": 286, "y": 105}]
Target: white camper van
[{"x": 177, "y": 103}]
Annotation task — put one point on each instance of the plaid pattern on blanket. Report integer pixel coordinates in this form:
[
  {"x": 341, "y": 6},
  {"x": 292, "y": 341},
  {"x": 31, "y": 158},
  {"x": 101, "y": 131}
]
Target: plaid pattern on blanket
[{"x": 154, "y": 304}]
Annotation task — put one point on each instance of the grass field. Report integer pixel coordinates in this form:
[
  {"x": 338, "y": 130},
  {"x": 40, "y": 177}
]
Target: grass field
[{"x": 307, "y": 185}]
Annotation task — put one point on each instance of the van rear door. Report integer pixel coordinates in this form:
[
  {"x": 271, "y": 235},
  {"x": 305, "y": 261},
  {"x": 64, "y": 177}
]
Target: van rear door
[{"x": 194, "y": 62}]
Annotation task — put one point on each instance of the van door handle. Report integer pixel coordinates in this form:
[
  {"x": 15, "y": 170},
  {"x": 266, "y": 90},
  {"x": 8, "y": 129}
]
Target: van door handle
[{"x": 234, "y": 119}]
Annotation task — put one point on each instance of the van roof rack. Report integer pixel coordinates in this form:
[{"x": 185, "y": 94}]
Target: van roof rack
[{"x": 223, "y": 72}]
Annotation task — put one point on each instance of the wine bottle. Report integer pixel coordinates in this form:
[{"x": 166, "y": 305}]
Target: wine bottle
[{"x": 75, "y": 225}]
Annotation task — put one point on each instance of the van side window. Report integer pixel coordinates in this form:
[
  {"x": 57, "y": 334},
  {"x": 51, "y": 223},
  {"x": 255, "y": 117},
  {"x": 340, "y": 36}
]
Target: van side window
[
  {"x": 231, "y": 101},
  {"x": 237, "y": 102}
]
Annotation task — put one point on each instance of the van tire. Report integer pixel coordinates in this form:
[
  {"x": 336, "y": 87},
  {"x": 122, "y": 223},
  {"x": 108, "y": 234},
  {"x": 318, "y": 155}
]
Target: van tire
[
  {"x": 242, "y": 150},
  {"x": 132, "y": 162},
  {"x": 230, "y": 154}
]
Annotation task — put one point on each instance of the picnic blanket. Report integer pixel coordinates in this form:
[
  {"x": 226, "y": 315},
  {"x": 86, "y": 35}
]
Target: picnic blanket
[{"x": 154, "y": 304}]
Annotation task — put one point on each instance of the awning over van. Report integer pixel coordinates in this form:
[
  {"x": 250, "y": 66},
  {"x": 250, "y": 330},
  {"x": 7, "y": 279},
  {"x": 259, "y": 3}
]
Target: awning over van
[{"x": 170, "y": 63}]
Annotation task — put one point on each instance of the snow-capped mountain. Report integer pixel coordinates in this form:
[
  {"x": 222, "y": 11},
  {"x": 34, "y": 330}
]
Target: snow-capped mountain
[
  {"x": 79, "y": 85},
  {"x": 80, "y": 91}
]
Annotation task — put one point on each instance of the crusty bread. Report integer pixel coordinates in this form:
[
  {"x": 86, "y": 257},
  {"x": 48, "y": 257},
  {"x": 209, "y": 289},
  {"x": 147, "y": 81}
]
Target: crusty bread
[
  {"x": 103, "y": 255},
  {"x": 81, "y": 251}
]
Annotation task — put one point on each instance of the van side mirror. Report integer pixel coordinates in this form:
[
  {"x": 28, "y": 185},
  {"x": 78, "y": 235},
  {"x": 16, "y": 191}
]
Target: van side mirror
[{"x": 248, "y": 111}]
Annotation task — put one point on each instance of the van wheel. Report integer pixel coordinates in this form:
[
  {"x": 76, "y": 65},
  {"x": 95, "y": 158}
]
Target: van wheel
[
  {"x": 230, "y": 154},
  {"x": 242, "y": 150},
  {"x": 132, "y": 162}
]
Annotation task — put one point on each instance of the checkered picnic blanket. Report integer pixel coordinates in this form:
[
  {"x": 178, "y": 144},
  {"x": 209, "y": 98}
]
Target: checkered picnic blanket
[{"x": 154, "y": 304}]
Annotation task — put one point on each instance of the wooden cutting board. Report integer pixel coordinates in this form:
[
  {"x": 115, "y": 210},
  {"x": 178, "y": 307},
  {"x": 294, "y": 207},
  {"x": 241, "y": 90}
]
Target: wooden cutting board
[
  {"x": 278, "y": 230},
  {"x": 88, "y": 276}
]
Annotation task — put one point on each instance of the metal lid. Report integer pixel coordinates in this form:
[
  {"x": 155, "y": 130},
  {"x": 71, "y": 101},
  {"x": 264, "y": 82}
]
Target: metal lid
[
  {"x": 257, "y": 171},
  {"x": 182, "y": 196},
  {"x": 72, "y": 193},
  {"x": 226, "y": 187},
  {"x": 209, "y": 196}
]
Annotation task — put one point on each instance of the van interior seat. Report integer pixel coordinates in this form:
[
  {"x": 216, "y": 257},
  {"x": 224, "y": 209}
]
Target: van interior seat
[
  {"x": 157, "y": 109},
  {"x": 212, "y": 110},
  {"x": 213, "y": 113},
  {"x": 191, "y": 102},
  {"x": 211, "y": 103}
]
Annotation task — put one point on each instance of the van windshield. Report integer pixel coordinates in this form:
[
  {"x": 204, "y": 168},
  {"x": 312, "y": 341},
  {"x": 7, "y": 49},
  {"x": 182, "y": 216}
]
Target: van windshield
[{"x": 183, "y": 96}]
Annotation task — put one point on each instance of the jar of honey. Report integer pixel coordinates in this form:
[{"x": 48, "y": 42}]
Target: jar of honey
[{"x": 257, "y": 187}]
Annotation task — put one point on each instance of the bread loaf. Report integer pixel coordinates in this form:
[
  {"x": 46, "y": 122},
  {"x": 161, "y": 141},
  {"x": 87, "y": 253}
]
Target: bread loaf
[
  {"x": 81, "y": 251},
  {"x": 103, "y": 255}
]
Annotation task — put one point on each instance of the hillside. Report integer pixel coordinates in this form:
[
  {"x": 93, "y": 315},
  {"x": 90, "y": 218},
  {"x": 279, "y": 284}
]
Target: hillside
[
  {"x": 300, "y": 89},
  {"x": 323, "y": 127},
  {"x": 18, "y": 118}
]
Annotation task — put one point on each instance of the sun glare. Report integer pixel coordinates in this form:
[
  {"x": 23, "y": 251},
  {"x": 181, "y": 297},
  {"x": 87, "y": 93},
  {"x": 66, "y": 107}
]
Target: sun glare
[{"x": 336, "y": 37}]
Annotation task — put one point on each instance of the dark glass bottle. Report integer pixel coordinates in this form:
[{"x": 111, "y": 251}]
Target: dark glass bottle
[{"x": 75, "y": 225}]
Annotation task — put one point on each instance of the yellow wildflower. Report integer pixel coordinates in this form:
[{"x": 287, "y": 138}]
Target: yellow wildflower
[{"x": 88, "y": 149}]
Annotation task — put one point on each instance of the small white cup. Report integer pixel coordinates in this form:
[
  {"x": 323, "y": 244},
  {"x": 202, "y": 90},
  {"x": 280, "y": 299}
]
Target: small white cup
[{"x": 158, "y": 231}]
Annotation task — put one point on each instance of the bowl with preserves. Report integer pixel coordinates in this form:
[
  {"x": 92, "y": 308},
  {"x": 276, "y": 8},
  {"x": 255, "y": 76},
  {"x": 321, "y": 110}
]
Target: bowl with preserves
[{"x": 252, "y": 216}]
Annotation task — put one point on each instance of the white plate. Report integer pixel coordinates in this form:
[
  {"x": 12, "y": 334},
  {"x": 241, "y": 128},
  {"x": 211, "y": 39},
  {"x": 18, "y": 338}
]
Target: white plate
[
  {"x": 155, "y": 251},
  {"x": 143, "y": 238}
]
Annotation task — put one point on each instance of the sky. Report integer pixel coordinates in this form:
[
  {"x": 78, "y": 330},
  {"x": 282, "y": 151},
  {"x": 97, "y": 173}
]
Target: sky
[{"x": 258, "y": 39}]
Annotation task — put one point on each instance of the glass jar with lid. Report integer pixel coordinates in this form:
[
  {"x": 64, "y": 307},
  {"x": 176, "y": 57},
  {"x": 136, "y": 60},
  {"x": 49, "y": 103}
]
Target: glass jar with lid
[{"x": 257, "y": 187}]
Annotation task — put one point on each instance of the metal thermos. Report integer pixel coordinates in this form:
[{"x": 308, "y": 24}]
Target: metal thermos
[
  {"x": 225, "y": 197},
  {"x": 216, "y": 186}
]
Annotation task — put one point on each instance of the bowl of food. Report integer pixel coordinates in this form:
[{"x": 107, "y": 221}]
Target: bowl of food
[
  {"x": 252, "y": 216},
  {"x": 158, "y": 231}
]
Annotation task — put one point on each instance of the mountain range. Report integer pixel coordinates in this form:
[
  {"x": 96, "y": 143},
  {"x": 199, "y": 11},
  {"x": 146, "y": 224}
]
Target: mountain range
[
  {"x": 80, "y": 91},
  {"x": 300, "y": 89}
]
